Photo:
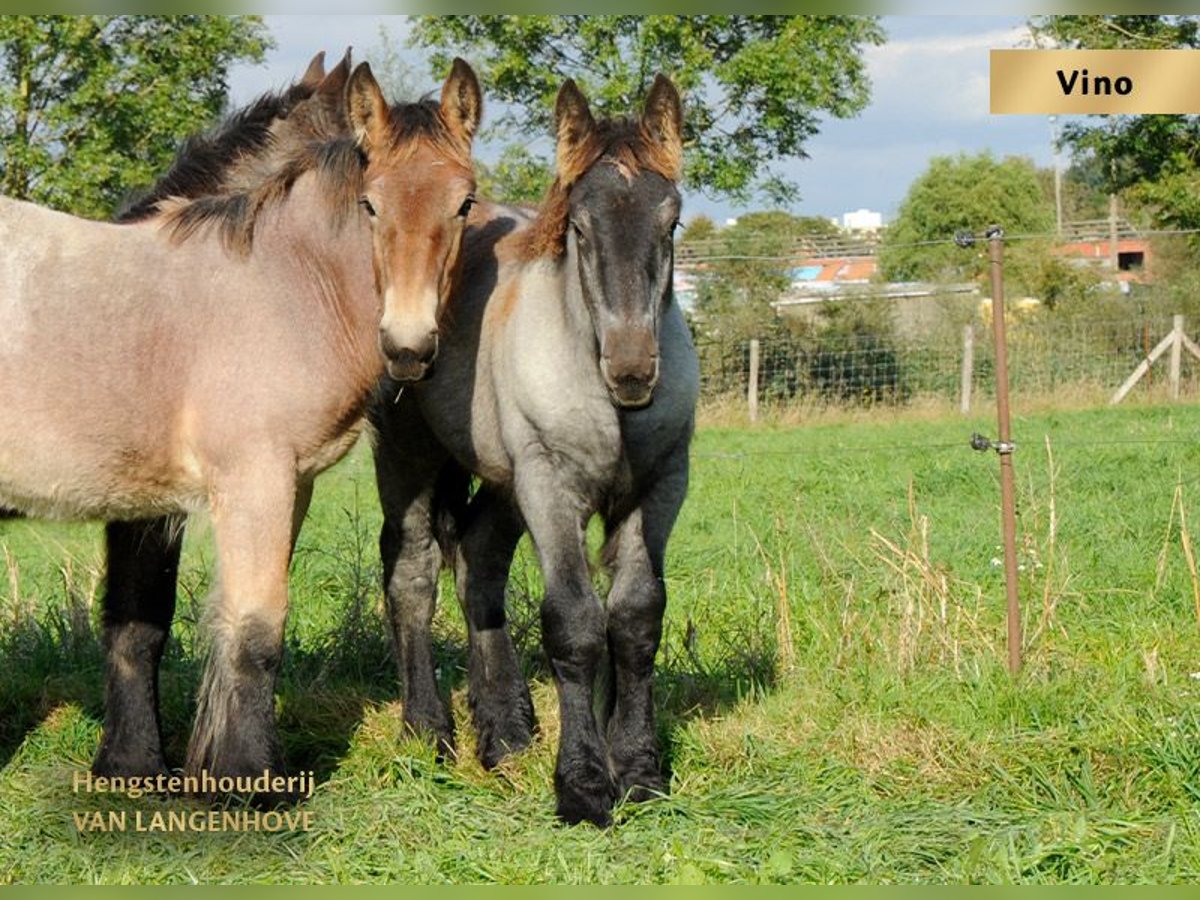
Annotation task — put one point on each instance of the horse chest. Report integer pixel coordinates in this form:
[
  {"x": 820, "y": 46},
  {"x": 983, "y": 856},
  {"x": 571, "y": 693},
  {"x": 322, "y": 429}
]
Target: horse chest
[{"x": 570, "y": 415}]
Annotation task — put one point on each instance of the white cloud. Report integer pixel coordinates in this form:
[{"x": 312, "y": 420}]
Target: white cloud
[{"x": 942, "y": 77}]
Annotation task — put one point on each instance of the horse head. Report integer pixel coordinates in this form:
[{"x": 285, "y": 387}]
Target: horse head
[
  {"x": 418, "y": 188},
  {"x": 622, "y": 210}
]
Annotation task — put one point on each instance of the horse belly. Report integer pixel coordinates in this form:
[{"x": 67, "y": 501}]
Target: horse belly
[{"x": 55, "y": 469}]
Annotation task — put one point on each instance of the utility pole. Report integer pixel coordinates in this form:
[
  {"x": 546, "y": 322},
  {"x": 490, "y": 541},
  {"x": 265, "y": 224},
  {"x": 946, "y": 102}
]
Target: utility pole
[{"x": 1058, "y": 200}]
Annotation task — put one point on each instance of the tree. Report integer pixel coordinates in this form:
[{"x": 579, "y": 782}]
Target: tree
[
  {"x": 1116, "y": 32},
  {"x": 748, "y": 270},
  {"x": 516, "y": 177},
  {"x": 754, "y": 87},
  {"x": 1153, "y": 160},
  {"x": 959, "y": 193},
  {"x": 94, "y": 106},
  {"x": 1083, "y": 195},
  {"x": 397, "y": 77},
  {"x": 698, "y": 229}
]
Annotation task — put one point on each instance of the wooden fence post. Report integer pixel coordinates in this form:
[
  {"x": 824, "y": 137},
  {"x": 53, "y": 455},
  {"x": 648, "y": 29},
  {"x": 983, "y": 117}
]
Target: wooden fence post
[
  {"x": 1176, "y": 341},
  {"x": 752, "y": 388},
  {"x": 1176, "y": 355},
  {"x": 968, "y": 368}
]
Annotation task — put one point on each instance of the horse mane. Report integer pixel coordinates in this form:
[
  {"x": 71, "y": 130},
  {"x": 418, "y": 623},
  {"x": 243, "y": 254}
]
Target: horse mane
[
  {"x": 205, "y": 162},
  {"x": 624, "y": 142},
  {"x": 316, "y": 138}
]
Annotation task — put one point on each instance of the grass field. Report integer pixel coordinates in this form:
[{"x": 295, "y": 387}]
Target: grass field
[{"x": 833, "y": 693}]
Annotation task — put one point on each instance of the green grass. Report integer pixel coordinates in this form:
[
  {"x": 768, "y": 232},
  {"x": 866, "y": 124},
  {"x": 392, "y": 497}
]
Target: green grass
[{"x": 833, "y": 692}]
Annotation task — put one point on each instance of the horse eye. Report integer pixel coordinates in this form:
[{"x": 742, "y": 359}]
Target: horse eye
[
  {"x": 366, "y": 204},
  {"x": 466, "y": 206}
]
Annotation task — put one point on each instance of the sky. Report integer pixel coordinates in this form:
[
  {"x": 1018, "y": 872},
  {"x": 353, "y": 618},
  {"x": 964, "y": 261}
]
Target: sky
[{"x": 929, "y": 98}]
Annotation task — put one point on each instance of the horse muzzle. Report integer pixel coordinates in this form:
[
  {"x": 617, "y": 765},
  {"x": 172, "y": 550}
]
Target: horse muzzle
[
  {"x": 412, "y": 360},
  {"x": 630, "y": 385}
]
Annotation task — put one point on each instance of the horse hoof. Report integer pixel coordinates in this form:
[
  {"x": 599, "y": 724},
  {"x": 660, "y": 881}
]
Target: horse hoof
[
  {"x": 502, "y": 737},
  {"x": 495, "y": 747},
  {"x": 437, "y": 730},
  {"x": 576, "y": 810},
  {"x": 641, "y": 789},
  {"x": 585, "y": 796}
]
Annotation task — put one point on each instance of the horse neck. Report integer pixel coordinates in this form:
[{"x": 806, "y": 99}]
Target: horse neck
[{"x": 332, "y": 257}]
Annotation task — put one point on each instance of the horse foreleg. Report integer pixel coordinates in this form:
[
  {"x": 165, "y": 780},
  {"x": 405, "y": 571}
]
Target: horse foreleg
[
  {"x": 501, "y": 708},
  {"x": 411, "y": 561},
  {"x": 573, "y": 635},
  {"x": 636, "y": 603},
  {"x": 254, "y": 513},
  {"x": 139, "y": 603}
]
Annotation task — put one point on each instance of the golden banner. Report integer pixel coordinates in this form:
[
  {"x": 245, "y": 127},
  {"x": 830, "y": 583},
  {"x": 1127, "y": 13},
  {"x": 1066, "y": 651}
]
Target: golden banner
[{"x": 1095, "y": 81}]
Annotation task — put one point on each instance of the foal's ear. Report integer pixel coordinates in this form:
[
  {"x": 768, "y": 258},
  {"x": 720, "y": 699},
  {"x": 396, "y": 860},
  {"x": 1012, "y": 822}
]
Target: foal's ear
[
  {"x": 315, "y": 71},
  {"x": 462, "y": 101},
  {"x": 662, "y": 117},
  {"x": 366, "y": 109},
  {"x": 574, "y": 123},
  {"x": 334, "y": 84}
]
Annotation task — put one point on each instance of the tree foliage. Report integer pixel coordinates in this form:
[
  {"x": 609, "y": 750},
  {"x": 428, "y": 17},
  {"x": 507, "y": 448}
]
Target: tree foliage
[
  {"x": 396, "y": 75},
  {"x": 1154, "y": 160},
  {"x": 93, "y": 106},
  {"x": 958, "y": 193},
  {"x": 517, "y": 176},
  {"x": 749, "y": 269},
  {"x": 754, "y": 87}
]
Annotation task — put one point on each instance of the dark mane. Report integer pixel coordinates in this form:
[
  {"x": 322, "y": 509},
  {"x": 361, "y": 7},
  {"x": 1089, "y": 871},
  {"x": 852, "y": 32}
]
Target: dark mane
[
  {"x": 624, "y": 142},
  {"x": 315, "y": 139},
  {"x": 204, "y": 162}
]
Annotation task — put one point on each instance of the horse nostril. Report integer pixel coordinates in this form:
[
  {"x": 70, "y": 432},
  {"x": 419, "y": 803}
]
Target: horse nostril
[
  {"x": 421, "y": 350},
  {"x": 388, "y": 344}
]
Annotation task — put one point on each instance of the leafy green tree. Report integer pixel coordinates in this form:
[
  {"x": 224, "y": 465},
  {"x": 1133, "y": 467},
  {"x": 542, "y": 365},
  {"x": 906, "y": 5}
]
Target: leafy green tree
[
  {"x": 399, "y": 78},
  {"x": 777, "y": 223},
  {"x": 1125, "y": 32},
  {"x": 959, "y": 193},
  {"x": 516, "y": 177},
  {"x": 749, "y": 269},
  {"x": 1152, "y": 160},
  {"x": 754, "y": 87},
  {"x": 699, "y": 229},
  {"x": 93, "y": 106},
  {"x": 1083, "y": 193}
]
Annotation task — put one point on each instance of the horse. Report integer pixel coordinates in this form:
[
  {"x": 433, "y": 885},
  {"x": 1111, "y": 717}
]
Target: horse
[
  {"x": 217, "y": 351},
  {"x": 143, "y": 554},
  {"x": 566, "y": 387}
]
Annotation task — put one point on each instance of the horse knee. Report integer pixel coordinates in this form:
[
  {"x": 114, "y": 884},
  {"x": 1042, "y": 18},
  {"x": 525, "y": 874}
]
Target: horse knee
[
  {"x": 573, "y": 629},
  {"x": 258, "y": 647},
  {"x": 635, "y": 624}
]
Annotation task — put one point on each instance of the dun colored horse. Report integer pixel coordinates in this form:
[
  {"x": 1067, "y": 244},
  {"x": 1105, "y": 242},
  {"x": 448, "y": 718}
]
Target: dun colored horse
[
  {"x": 217, "y": 351},
  {"x": 567, "y": 384}
]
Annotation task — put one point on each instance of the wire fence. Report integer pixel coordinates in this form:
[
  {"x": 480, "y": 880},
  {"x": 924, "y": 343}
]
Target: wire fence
[
  {"x": 871, "y": 343},
  {"x": 870, "y": 366}
]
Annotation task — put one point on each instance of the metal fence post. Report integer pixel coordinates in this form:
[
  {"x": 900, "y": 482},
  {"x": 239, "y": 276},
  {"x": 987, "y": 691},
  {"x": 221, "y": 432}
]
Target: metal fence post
[{"x": 1005, "y": 448}]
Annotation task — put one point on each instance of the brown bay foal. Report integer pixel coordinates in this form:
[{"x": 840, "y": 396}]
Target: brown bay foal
[{"x": 216, "y": 351}]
